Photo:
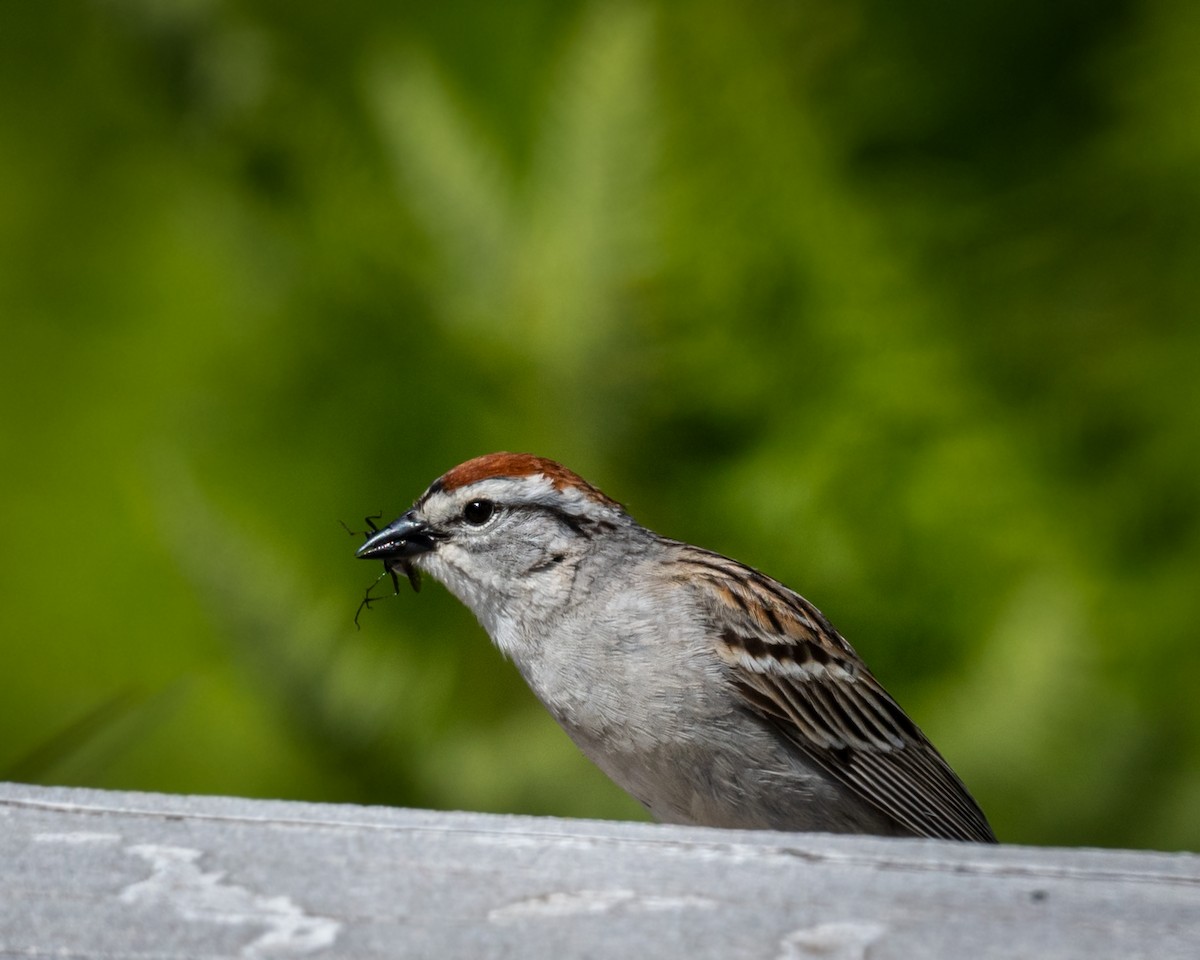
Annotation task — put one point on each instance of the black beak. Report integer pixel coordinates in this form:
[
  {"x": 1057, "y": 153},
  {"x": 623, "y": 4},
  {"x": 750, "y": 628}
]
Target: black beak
[{"x": 400, "y": 540}]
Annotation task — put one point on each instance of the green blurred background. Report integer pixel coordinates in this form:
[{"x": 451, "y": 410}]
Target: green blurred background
[{"x": 895, "y": 302}]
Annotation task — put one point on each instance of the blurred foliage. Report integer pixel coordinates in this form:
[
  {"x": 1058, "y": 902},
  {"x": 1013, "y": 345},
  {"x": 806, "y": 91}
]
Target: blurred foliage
[{"x": 896, "y": 303}]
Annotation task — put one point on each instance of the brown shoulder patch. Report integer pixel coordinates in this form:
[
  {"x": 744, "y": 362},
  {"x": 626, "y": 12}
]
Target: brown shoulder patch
[{"x": 519, "y": 465}]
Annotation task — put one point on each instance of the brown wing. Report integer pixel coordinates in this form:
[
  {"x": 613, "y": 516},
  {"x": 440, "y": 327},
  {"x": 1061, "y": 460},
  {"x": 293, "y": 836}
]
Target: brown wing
[{"x": 797, "y": 672}]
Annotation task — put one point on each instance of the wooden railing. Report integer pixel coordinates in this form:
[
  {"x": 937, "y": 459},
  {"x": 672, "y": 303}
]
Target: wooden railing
[{"x": 90, "y": 874}]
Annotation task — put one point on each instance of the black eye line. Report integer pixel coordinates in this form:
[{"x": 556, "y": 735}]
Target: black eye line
[{"x": 576, "y": 525}]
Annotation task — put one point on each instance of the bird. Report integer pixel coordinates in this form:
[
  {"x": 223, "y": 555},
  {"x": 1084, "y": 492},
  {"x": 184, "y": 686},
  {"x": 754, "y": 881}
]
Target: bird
[{"x": 710, "y": 692}]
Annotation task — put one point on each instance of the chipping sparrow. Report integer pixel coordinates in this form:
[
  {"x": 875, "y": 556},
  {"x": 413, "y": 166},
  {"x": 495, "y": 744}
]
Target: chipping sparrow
[{"x": 710, "y": 692}]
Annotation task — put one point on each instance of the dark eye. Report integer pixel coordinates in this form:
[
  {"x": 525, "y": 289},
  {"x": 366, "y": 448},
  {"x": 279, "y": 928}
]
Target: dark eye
[{"x": 478, "y": 512}]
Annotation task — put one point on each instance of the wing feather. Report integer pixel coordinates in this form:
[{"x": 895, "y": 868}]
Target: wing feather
[{"x": 793, "y": 669}]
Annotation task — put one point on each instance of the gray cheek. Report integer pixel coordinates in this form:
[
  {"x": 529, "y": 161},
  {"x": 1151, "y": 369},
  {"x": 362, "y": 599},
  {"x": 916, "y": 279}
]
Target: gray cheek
[{"x": 456, "y": 572}]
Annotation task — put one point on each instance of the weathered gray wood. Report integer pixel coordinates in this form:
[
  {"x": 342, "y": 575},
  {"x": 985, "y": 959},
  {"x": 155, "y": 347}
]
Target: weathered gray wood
[{"x": 91, "y": 874}]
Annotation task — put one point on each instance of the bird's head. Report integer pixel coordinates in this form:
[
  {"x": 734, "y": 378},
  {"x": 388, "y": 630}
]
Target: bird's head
[{"x": 502, "y": 529}]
